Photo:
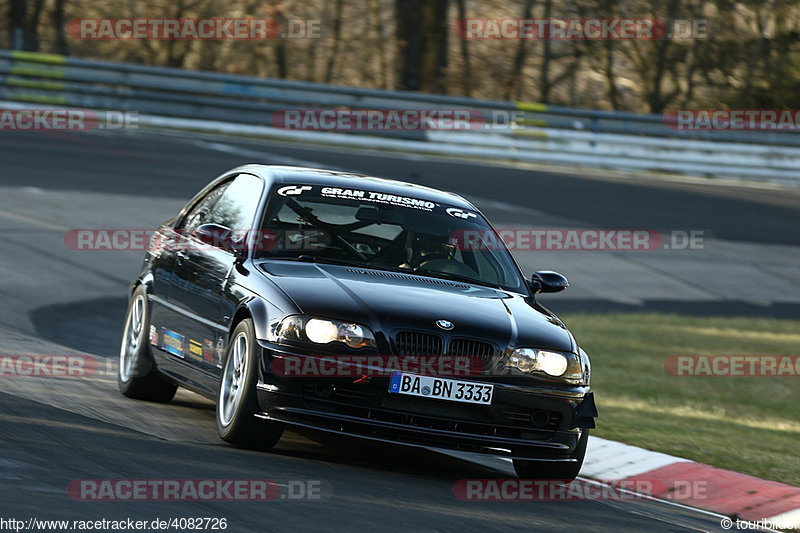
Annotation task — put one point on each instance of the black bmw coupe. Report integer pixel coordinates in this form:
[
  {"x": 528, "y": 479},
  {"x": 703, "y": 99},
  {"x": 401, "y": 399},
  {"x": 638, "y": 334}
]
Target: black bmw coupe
[{"x": 355, "y": 305}]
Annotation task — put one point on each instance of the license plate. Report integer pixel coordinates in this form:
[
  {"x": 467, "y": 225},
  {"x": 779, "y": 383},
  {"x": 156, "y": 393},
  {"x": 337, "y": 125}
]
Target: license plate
[{"x": 442, "y": 389}]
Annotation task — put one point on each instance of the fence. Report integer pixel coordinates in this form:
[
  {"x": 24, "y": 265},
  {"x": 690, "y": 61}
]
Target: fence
[{"x": 168, "y": 97}]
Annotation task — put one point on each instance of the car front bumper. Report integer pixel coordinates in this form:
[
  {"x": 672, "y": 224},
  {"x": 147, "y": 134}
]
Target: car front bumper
[{"x": 523, "y": 421}]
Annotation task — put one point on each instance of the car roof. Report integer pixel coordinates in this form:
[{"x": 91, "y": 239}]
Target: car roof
[{"x": 338, "y": 178}]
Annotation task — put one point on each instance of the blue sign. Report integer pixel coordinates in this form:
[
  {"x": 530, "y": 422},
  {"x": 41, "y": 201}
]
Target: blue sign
[{"x": 172, "y": 342}]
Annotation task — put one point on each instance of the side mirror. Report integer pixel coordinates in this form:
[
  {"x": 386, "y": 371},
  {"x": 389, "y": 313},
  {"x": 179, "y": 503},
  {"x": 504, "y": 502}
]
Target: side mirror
[
  {"x": 548, "y": 281},
  {"x": 219, "y": 237}
]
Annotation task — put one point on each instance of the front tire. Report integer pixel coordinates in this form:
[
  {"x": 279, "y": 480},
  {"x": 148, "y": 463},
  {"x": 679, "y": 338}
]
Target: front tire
[
  {"x": 553, "y": 470},
  {"x": 137, "y": 376},
  {"x": 237, "y": 401}
]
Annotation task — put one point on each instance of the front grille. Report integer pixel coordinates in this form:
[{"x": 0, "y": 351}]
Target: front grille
[
  {"x": 437, "y": 408},
  {"x": 344, "y": 392},
  {"x": 483, "y": 350},
  {"x": 533, "y": 418},
  {"x": 415, "y": 343}
]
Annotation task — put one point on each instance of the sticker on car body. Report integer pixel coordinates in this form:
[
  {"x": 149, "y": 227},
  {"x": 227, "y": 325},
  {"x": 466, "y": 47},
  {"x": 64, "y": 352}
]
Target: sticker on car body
[
  {"x": 220, "y": 351},
  {"x": 195, "y": 350},
  {"x": 460, "y": 213},
  {"x": 378, "y": 197},
  {"x": 172, "y": 342},
  {"x": 208, "y": 351},
  {"x": 293, "y": 190}
]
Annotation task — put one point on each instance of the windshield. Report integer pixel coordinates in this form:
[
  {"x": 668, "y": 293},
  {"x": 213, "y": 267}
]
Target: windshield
[{"x": 385, "y": 231}]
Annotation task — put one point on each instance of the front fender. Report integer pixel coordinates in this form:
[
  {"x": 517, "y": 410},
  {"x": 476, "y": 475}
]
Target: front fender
[
  {"x": 146, "y": 281},
  {"x": 259, "y": 312}
]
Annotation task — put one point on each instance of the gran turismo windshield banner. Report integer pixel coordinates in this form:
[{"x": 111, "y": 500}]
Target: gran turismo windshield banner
[{"x": 376, "y": 197}]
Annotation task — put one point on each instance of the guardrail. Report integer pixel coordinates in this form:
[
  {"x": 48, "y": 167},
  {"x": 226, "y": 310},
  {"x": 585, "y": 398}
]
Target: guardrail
[{"x": 547, "y": 134}]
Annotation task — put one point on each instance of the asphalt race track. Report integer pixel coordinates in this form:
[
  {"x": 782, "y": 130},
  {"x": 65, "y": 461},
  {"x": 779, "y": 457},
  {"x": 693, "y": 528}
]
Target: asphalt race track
[{"x": 59, "y": 301}]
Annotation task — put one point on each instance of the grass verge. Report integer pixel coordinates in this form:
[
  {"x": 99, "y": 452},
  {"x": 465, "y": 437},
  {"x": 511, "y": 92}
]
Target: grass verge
[{"x": 747, "y": 424}]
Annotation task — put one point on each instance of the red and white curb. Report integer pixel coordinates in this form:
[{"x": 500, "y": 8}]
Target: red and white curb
[
  {"x": 760, "y": 504},
  {"x": 694, "y": 484}
]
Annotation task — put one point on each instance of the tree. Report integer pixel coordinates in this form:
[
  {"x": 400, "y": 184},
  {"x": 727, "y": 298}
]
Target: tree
[
  {"x": 337, "y": 39},
  {"x": 422, "y": 38},
  {"x": 513, "y": 87},
  {"x": 23, "y": 28},
  {"x": 60, "y": 46},
  {"x": 467, "y": 67}
]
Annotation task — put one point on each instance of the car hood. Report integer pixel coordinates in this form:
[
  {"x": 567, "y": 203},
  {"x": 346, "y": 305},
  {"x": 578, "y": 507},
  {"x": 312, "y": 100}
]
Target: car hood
[{"x": 392, "y": 301}]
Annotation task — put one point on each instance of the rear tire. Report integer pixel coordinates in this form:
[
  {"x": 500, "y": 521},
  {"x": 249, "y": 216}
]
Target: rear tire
[
  {"x": 137, "y": 376},
  {"x": 553, "y": 470},
  {"x": 237, "y": 400}
]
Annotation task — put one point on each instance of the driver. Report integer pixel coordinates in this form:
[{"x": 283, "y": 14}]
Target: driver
[{"x": 425, "y": 248}]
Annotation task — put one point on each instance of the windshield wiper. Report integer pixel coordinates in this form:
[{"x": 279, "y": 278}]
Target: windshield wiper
[
  {"x": 306, "y": 258},
  {"x": 454, "y": 277}
]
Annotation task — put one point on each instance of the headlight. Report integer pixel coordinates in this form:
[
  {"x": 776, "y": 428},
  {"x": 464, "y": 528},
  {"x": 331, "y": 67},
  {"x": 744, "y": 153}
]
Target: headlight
[
  {"x": 324, "y": 331},
  {"x": 555, "y": 364},
  {"x": 321, "y": 331},
  {"x": 552, "y": 363}
]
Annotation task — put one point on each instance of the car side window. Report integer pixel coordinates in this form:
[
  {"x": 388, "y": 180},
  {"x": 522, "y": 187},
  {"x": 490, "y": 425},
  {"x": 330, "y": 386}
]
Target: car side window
[
  {"x": 198, "y": 214},
  {"x": 237, "y": 206}
]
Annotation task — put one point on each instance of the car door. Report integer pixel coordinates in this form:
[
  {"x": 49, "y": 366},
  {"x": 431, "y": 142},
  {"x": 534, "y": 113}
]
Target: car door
[
  {"x": 172, "y": 324},
  {"x": 161, "y": 259},
  {"x": 202, "y": 271}
]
